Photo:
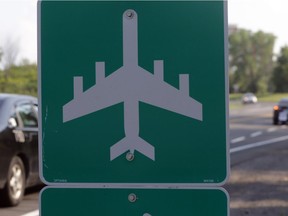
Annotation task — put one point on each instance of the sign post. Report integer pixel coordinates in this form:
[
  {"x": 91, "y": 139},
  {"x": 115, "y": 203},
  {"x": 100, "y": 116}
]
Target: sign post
[{"x": 133, "y": 94}]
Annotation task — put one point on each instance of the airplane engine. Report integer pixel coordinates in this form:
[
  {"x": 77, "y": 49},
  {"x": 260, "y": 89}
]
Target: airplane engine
[
  {"x": 159, "y": 69},
  {"x": 78, "y": 86},
  {"x": 184, "y": 83}
]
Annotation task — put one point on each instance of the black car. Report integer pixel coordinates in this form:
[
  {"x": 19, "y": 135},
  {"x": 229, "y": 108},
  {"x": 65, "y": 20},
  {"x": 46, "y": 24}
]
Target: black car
[
  {"x": 18, "y": 146},
  {"x": 280, "y": 112}
]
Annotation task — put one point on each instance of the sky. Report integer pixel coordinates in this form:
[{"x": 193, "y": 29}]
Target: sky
[
  {"x": 269, "y": 16},
  {"x": 18, "y": 25},
  {"x": 18, "y": 22}
]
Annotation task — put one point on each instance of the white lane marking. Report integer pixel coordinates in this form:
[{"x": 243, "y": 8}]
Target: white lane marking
[
  {"x": 33, "y": 213},
  {"x": 269, "y": 130},
  {"x": 238, "y": 139},
  {"x": 258, "y": 144},
  {"x": 255, "y": 134},
  {"x": 283, "y": 126}
]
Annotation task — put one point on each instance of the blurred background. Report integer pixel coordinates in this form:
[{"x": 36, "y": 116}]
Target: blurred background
[{"x": 258, "y": 86}]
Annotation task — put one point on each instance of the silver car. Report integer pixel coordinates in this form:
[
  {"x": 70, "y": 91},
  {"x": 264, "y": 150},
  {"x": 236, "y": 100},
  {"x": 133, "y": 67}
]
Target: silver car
[{"x": 249, "y": 98}]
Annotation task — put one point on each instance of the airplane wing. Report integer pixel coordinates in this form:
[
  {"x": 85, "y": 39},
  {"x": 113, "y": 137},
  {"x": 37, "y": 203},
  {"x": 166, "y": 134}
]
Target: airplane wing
[
  {"x": 103, "y": 94},
  {"x": 157, "y": 92}
]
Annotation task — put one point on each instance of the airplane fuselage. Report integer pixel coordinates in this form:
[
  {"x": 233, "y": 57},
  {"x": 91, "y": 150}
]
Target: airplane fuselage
[{"x": 131, "y": 84}]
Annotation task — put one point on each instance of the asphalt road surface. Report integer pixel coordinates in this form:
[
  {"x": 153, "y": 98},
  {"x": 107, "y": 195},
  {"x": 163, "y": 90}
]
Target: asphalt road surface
[
  {"x": 258, "y": 182},
  {"x": 28, "y": 207}
]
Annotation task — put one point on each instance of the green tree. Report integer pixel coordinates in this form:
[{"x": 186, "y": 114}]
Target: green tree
[
  {"x": 10, "y": 53},
  {"x": 280, "y": 73},
  {"x": 251, "y": 60},
  {"x": 22, "y": 79},
  {"x": 1, "y": 53}
]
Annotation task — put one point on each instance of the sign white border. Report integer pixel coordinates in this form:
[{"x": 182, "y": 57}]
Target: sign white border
[{"x": 135, "y": 185}]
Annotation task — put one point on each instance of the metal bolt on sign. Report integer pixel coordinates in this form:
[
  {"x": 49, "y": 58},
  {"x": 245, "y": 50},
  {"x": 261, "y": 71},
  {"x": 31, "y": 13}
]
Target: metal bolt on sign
[
  {"x": 130, "y": 156},
  {"x": 129, "y": 14},
  {"x": 132, "y": 197}
]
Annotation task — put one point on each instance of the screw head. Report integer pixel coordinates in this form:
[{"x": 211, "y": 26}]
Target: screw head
[
  {"x": 132, "y": 197},
  {"x": 129, "y": 14},
  {"x": 130, "y": 156}
]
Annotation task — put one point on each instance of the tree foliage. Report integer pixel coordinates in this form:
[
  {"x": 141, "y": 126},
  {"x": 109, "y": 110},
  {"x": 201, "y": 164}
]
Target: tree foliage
[
  {"x": 251, "y": 60},
  {"x": 10, "y": 53},
  {"x": 1, "y": 53},
  {"x": 280, "y": 73},
  {"x": 21, "y": 79}
]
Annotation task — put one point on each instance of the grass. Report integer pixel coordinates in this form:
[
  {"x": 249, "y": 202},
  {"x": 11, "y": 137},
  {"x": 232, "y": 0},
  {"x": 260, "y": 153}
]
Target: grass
[
  {"x": 263, "y": 98},
  {"x": 273, "y": 97},
  {"x": 235, "y": 105},
  {"x": 235, "y": 96},
  {"x": 235, "y": 99}
]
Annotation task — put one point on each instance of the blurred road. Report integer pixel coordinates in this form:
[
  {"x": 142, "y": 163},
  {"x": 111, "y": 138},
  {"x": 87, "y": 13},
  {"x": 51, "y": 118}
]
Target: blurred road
[
  {"x": 258, "y": 182},
  {"x": 28, "y": 207}
]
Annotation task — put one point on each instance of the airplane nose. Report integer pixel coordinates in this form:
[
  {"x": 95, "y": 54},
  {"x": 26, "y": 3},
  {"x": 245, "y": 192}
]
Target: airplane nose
[
  {"x": 130, "y": 38},
  {"x": 129, "y": 14}
]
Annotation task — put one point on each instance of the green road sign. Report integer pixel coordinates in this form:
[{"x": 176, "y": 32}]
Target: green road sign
[
  {"x": 127, "y": 202},
  {"x": 133, "y": 92}
]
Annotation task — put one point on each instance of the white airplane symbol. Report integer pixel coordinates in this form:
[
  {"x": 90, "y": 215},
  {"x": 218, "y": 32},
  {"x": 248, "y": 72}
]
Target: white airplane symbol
[{"x": 131, "y": 84}]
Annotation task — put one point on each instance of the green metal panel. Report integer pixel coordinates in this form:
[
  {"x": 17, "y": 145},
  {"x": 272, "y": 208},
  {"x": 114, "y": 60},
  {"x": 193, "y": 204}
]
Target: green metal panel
[
  {"x": 149, "y": 202},
  {"x": 189, "y": 36}
]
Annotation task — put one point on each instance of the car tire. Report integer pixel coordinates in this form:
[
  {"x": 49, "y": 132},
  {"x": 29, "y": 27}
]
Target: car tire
[{"x": 13, "y": 192}]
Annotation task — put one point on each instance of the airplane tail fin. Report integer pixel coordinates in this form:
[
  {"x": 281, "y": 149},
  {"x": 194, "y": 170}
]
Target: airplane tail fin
[{"x": 132, "y": 144}]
